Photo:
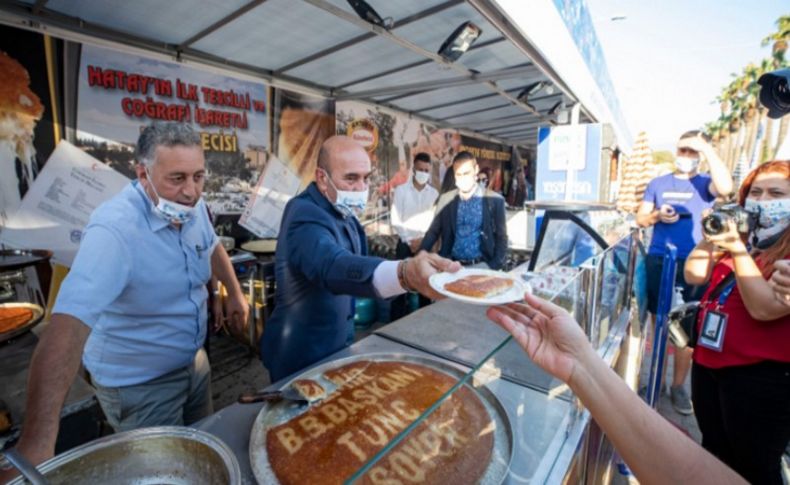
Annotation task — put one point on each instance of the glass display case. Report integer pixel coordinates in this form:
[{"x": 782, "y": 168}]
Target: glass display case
[{"x": 584, "y": 261}]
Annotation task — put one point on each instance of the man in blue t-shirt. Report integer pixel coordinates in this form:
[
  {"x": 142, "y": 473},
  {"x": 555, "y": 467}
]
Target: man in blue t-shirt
[{"x": 674, "y": 204}]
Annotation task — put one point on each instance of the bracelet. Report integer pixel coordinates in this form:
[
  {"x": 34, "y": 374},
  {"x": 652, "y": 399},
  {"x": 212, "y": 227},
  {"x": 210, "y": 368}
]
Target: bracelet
[{"x": 402, "y": 275}]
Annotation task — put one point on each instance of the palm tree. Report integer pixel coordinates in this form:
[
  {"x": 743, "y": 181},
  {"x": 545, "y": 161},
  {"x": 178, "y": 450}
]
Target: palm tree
[{"x": 779, "y": 39}]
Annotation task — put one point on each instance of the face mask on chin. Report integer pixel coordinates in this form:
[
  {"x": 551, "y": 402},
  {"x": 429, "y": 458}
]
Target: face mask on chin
[
  {"x": 422, "y": 178},
  {"x": 686, "y": 164},
  {"x": 171, "y": 211},
  {"x": 773, "y": 219},
  {"x": 349, "y": 203}
]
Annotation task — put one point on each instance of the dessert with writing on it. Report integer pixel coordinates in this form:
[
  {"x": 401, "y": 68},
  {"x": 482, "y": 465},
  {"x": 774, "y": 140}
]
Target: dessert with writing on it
[
  {"x": 479, "y": 286},
  {"x": 374, "y": 402},
  {"x": 309, "y": 389}
]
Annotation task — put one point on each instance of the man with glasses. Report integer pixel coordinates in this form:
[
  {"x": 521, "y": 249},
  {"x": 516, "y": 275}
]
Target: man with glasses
[{"x": 673, "y": 205}]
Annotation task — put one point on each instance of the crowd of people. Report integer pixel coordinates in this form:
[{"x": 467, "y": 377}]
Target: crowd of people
[{"x": 133, "y": 307}]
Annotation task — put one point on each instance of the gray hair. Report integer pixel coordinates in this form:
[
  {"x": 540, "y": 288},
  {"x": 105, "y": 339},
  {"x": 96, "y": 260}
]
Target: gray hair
[{"x": 166, "y": 134}]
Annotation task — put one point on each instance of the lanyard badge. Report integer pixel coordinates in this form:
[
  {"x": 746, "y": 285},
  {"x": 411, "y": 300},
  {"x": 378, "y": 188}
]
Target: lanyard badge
[{"x": 714, "y": 325}]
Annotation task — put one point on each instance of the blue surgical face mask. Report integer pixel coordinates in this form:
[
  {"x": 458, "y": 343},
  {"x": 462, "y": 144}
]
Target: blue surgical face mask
[
  {"x": 171, "y": 211},
  {"x": 348, "y": 202},
  {"x": 773, "y": 218}
]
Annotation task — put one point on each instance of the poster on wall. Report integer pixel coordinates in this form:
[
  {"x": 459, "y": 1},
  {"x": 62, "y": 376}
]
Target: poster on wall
[
  {"x": 59, "y": 203},
  {"x": 119, "y": 93},
  {"x": 301, "y": 124},
  {"x": 490, "y": 157},
  {"x": 568, "y": 163},
  {"x": 28, "y": 134},
  {"x": 392, "y": 140},
  {"x": 264, "y": 212}
]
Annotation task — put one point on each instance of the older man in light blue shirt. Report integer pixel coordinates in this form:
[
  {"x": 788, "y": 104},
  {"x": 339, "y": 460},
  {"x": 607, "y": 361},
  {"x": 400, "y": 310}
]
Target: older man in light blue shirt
[{"x": 137, "y": 294}]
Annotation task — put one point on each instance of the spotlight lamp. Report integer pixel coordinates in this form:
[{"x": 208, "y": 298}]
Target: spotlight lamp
[
  {"x": 554, "y": 110},
  {"x": 530, "y": 90},
  {"x": 534, "y": 88},
  {"x": 459, "y": 41},
  {"x": 367, "y": 13}
]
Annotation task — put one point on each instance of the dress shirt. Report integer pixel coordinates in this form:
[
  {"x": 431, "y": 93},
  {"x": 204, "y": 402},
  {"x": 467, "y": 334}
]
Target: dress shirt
[
  {"x": 139, "y": 283},
  {"x": 412, "y": 210},
  {"x": 469, "y": 226}
]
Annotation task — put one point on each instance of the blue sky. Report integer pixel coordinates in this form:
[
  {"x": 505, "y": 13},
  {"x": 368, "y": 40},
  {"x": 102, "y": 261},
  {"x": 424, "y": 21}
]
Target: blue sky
[{"x": 669, "y": 59}]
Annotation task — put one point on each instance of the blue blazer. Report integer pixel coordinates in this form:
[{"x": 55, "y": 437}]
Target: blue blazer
[
  {"x": 493, "y": 243},
  {"x": 320, "y": 265}
]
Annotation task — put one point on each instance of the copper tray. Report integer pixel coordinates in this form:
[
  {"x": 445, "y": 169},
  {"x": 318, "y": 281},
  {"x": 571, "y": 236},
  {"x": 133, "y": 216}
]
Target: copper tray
[
  {"x": 276, "y": 413},
  {"x": 38, "y": 314}
]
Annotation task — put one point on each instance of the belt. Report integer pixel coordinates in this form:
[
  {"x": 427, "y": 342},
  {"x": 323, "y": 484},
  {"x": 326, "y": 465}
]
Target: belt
[{"x": 469, "y": 262}]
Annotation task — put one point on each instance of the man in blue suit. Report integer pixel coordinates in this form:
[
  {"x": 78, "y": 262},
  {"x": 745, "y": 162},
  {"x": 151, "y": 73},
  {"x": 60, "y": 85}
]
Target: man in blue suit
[{"x": 321, "y": 264}]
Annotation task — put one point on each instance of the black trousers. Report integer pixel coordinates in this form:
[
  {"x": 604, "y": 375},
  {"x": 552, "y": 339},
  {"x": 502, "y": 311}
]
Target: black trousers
[
  {"x": 400, "y": 304},
  {"x": 744, "y": 415}
]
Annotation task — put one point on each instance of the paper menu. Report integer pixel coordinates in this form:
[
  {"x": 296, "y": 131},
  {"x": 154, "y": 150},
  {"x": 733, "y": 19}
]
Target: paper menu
[
  {"x": 59, "y": 203},
  {"x": 265, "y": 209}
]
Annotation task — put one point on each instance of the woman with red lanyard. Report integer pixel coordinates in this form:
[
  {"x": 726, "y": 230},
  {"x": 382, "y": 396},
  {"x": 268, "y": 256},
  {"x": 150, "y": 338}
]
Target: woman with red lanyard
[{"x": 740, "y": 379}]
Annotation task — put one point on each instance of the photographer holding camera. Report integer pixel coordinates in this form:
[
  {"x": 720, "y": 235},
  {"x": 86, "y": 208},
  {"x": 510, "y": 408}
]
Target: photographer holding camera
[
  {"x": 673, "y": 204},
  {"x": 740, "y": 378}
]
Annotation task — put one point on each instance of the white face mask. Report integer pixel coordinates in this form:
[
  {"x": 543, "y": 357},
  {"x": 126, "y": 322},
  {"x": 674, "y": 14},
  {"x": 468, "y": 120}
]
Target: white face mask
[
  {"x": 422, "y": 178},
  {"x": 349, "y": 203},
  {"x": 686, "y": 164},
  {"x": 465, "y": 184},
  {"x": 169, "y": 210},
  {"x": 773, "y": 218}
]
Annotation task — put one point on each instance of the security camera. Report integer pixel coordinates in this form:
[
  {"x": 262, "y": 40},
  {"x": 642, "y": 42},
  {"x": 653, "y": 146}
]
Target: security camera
[{"x": 775, "y": 92}]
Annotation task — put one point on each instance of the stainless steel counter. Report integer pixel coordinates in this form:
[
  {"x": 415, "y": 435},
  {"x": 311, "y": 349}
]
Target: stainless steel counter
[
  {"x": 539, "y": 422},
  {"x": 461, "y": 333}
]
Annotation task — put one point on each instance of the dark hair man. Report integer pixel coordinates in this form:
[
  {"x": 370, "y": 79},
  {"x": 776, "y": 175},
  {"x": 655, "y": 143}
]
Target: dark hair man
[
  {"x": 673, "y": 204},
  {"x": 469, "y": 220}
]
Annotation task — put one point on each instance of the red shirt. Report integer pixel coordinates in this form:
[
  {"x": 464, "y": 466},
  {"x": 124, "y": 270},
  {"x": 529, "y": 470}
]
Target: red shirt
[{"x": 746, "y": 340}]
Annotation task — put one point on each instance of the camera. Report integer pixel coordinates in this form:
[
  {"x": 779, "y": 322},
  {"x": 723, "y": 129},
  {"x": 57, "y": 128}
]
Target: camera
[
  {"x": 775, "y": 92},
  {"x": 716, "y": 222}
]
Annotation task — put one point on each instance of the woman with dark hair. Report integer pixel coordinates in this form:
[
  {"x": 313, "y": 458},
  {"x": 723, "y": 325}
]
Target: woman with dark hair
[{"x": 740, "y": 380}]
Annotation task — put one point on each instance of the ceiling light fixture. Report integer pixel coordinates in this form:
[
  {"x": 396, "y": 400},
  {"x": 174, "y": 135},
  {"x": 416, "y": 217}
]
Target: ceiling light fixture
[
  {"x": 367, "y": 13},
  {"x": 535, "y": 88},
  {"x": 459, "y": 41}
]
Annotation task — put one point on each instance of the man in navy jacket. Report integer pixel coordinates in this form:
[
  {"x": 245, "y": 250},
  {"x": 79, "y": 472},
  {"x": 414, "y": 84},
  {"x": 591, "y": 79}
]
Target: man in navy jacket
[
  {"x": 470, "y": 220},
  {"x": 321, "y": 264}
]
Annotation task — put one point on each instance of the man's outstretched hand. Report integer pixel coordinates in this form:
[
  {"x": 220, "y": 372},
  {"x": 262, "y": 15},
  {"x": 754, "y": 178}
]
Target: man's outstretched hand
[{"x": 422, "y": 266}]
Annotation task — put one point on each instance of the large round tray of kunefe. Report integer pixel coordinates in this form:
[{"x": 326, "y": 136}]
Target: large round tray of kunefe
[{"x": 286, "y": 414}]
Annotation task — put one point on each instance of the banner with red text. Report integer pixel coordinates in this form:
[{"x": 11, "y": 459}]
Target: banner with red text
[{"x": 119, "y": 93}]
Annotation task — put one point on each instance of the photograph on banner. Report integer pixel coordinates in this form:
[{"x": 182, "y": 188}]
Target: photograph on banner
[
  {"x": 59, "y": 204},
  {"x": 392, "y": 140},
  {"x": 490, "y": 159},
  {"x": 301, "y": 124},
  {"x": 118, "y": 93},
  {"x": 27, "y": 110}
]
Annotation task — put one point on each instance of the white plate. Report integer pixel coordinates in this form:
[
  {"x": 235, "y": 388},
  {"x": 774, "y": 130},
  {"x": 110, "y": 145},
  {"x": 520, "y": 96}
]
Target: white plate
[{"x": 515, "y": 293}]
